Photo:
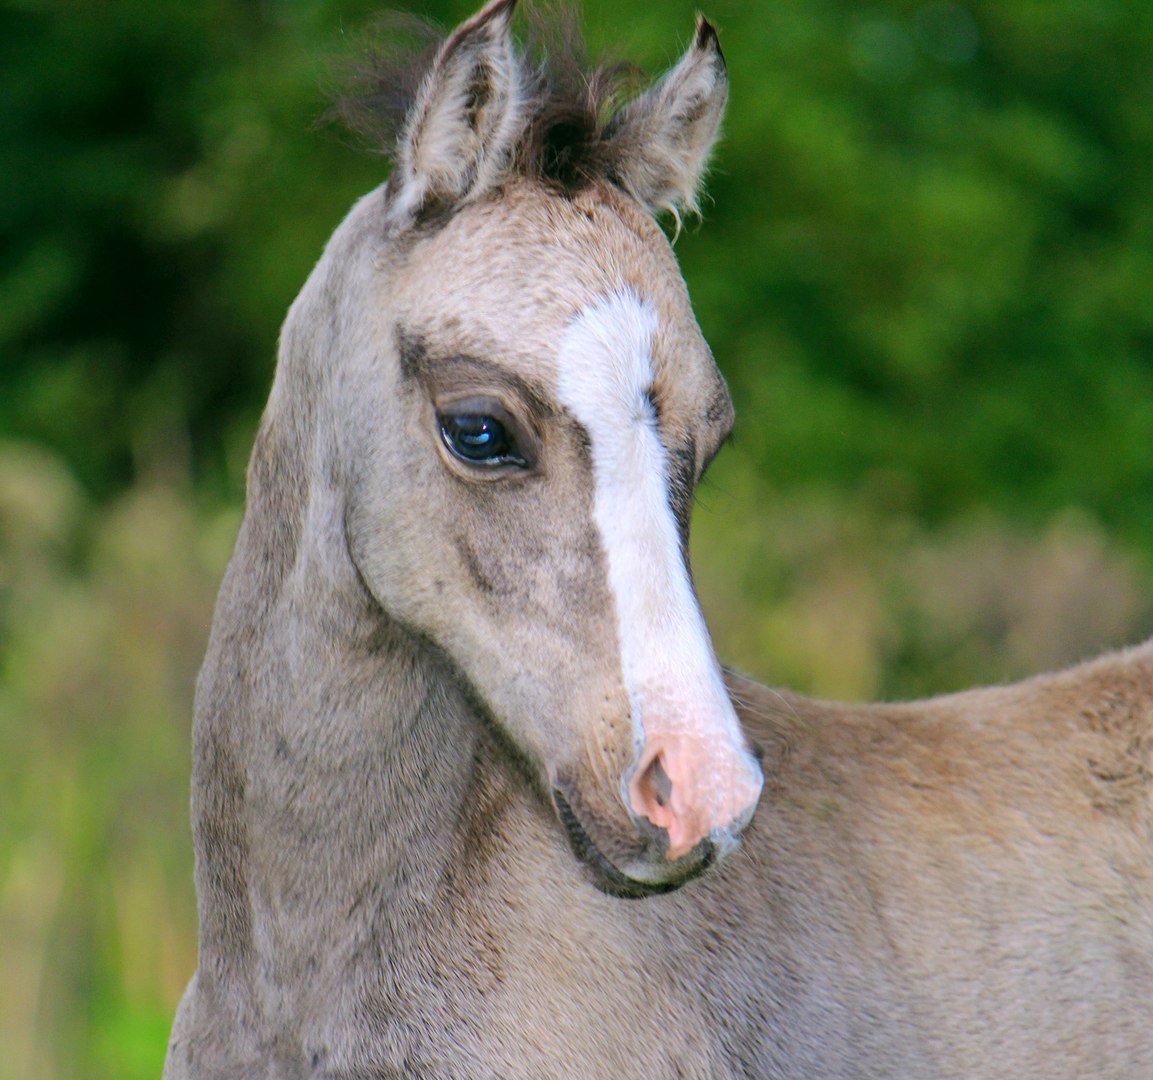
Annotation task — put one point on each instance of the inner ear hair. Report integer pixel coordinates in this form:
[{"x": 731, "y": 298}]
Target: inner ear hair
[
  {"x": 463, "y": 127},
  {"x": 668, "y": 133}
]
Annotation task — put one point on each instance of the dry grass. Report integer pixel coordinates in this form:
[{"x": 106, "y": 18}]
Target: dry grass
[
  {"x": 849, "y": 598},
  {"x": 103, "y": 618}
]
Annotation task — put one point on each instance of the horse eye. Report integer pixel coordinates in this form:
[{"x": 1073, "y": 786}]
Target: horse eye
[{"x": 480, "y": 439}]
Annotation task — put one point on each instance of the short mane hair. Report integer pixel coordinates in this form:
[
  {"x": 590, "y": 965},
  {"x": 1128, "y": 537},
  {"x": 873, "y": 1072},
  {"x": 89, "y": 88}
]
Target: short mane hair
[{"x": 571, "y": 104}]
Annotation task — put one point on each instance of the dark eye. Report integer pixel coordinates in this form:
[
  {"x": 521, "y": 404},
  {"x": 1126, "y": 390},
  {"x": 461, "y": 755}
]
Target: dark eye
[{"x": 480, "y": 439}]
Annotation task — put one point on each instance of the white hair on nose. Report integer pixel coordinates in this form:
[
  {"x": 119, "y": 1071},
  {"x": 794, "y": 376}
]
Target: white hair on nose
[{"x": 605, "y": 382}]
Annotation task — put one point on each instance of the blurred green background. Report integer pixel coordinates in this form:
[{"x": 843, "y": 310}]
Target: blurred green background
[{"x": 926, "y": 268}]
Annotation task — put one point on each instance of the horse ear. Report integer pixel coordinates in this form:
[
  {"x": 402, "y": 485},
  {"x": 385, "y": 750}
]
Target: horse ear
[
  {"x": 667, "y": 134},
  {"x": 464, "y": 123}
]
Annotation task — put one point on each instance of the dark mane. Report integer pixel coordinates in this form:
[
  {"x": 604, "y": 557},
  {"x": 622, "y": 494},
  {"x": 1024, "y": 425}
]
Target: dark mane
[{"x": 571, "y": 105}]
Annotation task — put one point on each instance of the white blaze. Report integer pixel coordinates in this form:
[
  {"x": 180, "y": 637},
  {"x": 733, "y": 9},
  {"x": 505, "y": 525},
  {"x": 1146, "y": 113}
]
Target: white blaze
[{"x": 679, "y": 699}]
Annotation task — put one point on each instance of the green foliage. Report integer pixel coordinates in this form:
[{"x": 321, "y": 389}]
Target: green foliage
[
  {"x": 930, "y": 252},
  {"x": 162, "y": 195},
  {"x": 924, "y": 267},
  {"x": 927, "y": 251}
]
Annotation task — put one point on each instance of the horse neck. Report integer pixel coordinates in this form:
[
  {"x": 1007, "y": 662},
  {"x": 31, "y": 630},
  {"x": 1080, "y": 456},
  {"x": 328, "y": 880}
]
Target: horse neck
[{"x": 333, "y": 751}]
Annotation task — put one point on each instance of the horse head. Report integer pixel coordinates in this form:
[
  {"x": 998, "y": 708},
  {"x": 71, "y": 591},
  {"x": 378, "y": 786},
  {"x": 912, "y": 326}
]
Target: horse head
[{"x": 519, "y": 404}]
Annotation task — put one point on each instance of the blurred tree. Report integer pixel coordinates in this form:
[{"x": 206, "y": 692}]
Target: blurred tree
[
  {"x": 925, "y": 267},
  {"x": 162, "y": 193},
  {"x": 929, "y": 264}
]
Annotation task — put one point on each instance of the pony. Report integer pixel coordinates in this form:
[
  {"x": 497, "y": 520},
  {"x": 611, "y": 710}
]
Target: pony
[{"x": 472, "y": 796}]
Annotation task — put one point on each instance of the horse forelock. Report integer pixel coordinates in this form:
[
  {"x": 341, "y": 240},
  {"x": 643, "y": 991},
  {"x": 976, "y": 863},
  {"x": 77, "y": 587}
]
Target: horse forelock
[{"x": 569, "y": 136}]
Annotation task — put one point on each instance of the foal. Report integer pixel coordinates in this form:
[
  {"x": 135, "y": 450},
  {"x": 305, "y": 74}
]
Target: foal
[{"x": 469, "y": 787}]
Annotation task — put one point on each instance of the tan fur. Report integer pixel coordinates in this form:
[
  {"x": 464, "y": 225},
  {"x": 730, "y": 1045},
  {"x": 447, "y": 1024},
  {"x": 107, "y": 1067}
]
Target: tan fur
[
  {"x": 674, "y": 127},
  {"x": 1002, "y": 841},
  {"x": 408, "y": 660}
]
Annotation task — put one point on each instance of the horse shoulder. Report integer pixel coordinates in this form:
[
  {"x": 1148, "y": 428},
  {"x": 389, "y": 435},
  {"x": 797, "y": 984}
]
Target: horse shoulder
[{"x": 998, "y": 847}]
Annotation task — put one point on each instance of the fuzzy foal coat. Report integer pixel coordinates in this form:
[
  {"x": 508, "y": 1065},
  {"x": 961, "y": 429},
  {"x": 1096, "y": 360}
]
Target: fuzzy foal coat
[{"x": 961, "y": 888}]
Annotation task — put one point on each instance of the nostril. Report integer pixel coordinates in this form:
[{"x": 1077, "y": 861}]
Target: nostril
[
  {"x": 658, "y": 782},
  {"x": 653, "y": 787},
  {"x": 651, "y": 793},
  {"x": 690, "y": 794}
]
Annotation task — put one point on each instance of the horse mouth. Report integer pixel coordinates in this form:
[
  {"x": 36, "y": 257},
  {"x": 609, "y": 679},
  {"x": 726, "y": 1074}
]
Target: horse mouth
[{"x": 613, "y": 881}]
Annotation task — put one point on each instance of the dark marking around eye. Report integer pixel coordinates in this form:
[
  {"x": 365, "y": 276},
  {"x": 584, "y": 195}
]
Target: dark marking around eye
[
  {"x": 481, "y": 579},
  {"x": 420, "y": 361},
  {"x": 720, "y": 407},
  {"x": 682, "y": 485},
  {"x": 413, "y": 353},
  {"x": 584, "y": 442}
]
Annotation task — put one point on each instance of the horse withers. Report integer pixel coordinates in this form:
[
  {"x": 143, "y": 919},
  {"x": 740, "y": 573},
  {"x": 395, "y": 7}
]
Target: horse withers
[{"x": 471, "y": 795}]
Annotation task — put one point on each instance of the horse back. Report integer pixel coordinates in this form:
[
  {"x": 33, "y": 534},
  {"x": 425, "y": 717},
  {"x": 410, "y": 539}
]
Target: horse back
[{"x": 998, "y": 847}]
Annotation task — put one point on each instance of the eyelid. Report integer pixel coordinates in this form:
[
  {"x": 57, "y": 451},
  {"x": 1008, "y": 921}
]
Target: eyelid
[
  {"x": 450, "y": 377},
  {"x": 475, "y": 405}
]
